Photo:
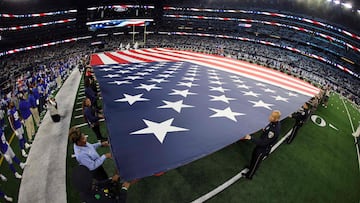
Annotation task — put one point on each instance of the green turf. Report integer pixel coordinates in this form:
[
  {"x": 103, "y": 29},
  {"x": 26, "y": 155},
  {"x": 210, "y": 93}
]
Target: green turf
[{"x": 319, "y": 166}]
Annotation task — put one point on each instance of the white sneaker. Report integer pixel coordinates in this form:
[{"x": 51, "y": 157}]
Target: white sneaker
[
  {"x": 3, "y": 178},
  {"x": 17, "y": 175},
  {"x": 27, "y": 146},
  {"x": 9, "y": 199},
  {"x": 22, "y": 165},
  {"x": 23, "y": 153}
]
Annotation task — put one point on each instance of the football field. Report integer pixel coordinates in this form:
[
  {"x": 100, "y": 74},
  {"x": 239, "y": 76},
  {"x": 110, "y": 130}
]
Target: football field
[{"x": 320, "y": 165}]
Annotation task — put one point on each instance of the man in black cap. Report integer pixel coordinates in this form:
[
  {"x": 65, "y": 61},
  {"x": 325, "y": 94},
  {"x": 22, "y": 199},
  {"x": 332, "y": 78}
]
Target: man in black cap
[{"x": 264, "y": 143}]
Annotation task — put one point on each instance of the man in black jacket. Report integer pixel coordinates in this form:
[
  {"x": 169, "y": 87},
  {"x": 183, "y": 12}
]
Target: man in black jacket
[
  {"x": 264, "y": 143},
  {"x": 300, "y": 117}
]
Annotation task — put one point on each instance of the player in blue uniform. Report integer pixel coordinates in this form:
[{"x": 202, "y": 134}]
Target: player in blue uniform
[
  {"x": 9, "y": 154},
  {"x": 16, "y": 126}
]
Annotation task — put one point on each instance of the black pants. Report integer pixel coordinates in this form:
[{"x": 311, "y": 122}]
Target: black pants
[
  {"x": 257, "y": 156},
  {"x": 41, "y": 104},
  {"x": 100, "y": 174},
  {"x": 96, "y": 129},
  {"x": 294, "y": 132}
]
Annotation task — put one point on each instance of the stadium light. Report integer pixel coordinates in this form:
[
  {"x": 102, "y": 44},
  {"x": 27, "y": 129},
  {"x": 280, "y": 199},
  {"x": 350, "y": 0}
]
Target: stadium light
[
  {"x": 347, "y": 5},
  {"x": 337, "y": 2}
]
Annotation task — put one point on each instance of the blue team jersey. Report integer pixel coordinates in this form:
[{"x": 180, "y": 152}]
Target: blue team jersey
[
  {"x": 24, "y": 107},
  {"x": 13, "y": 112},
  {"x": 3, "y": 144}
]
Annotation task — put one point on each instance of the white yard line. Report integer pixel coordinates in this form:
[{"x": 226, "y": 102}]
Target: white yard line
[
  {"x": 236, "y": 177},
  {"x": 220, "y": 188},
  {"x": 79, "y": 116},
  {"x": 84, "y": 124},
  {"x": 353, "y": 130}
]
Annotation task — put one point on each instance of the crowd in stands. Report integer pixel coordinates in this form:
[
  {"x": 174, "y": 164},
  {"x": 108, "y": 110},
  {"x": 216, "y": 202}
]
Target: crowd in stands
[
  {"x": 26, "y": 95},
  {"x": 286, "y": 61},
  {"x": 30, "y": 78}
]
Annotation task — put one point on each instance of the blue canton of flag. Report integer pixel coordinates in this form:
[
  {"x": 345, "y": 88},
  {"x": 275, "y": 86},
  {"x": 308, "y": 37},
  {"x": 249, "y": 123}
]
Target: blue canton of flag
[{"x": 161, "y": 115}]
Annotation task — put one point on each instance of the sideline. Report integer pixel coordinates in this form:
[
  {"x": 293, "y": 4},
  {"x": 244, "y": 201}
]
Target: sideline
[
  {"x": 237, "y": 176},
  {"x": 353, "y": 130},
  {"x": 44, "y": 177}
]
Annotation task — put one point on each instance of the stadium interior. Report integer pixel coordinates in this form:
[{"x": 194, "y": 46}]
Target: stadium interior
[{"x": 316, "y": 41}]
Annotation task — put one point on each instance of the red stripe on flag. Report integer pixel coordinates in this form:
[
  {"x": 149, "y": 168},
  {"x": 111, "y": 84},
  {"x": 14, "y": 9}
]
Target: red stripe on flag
[
  {"x": 268, "y": 77},
  {"x": 149, "y": 55},
  {"x": 259, "y": 69},
  {"x": 95, "y": 60},
  {"x": 135, "y": 57},
  {"x": 115, "y": 58}
]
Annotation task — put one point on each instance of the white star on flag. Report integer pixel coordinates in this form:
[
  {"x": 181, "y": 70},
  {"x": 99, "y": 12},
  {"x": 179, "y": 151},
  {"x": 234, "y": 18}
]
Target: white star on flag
[
  {"x": 217, "y": 82},
  {"x": 160, "y": 80},
  {"x": 169, "y": 72},
  {"x": 260, "y": 84},
  {"x": 148, "y": 87},
  {"x": 118, "y": 66},
  {"x": 159, "y": 129},
  {"x": 215, "y": 77},
  {"x": 132, "y": 68},
  {"x": 238, "y": 81},
  {"x": 279, "y": 98},
  {"x": 106, "y": 69},
  {"x": 269, "y": 90},
  {"x": 227, "y": 113},
  {"x": 220, "y": 89},
  {"x": 292, "y": 94},
  {"x": 189, "y": 78},
  {"x": 212, "y": 73},
  {"x": 243, "y": 86},
  {"x": 142, "y": 73},
  {"x": 222, "y": 98},
  {"x": 123, "y": 71},
  {"x": 164, "y": 76},
  {"x": 136, "y": 77},
  {"x": 260, "y": 103},
  {"x": 250, "y": 93},
  {"x": 187, "y": 84},
  {"x": 120, "y": 82},
  {"x": 112, "y": 76},
  {"x": 131, "y": 99},
  {"x": 234, "y": 77},
  {"x": 177, "y": 106},
  {"x": 149, "y": 70},
  {"x": 183, "y": 93}
]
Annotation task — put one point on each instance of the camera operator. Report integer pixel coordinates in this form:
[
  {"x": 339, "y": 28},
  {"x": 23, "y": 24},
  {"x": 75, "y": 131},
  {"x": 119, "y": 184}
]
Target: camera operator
[{"x": 105, "y": 191}]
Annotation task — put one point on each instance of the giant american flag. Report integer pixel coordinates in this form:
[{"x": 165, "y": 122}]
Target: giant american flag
[{"x": 165, "y": 108}]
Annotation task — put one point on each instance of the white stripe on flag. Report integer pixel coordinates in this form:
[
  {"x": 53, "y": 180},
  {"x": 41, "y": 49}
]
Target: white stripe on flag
[
  {"x": 126, "y": 58},
  {"x": 215, "y": 63},
  {"x": 255, "y": 67},
  {"x": 145, "y": 57},
  {"x": 106, "y": 60}
]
